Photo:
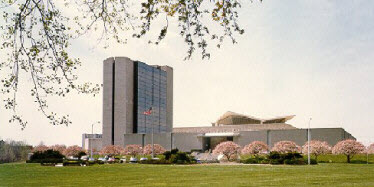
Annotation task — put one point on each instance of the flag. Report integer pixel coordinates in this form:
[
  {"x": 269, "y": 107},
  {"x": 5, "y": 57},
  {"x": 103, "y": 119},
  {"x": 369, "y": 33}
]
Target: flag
[{"x": 148, "y": 112}]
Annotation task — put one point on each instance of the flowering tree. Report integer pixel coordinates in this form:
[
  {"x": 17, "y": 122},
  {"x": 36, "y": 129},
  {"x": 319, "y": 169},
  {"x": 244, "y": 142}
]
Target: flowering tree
[
  {"x": 133, "y": 150},
  {"x": 348, "y": 148},
  {"x": 370, "y": 149},
  {"x": 111, "y": 150},
  {"x": 73, "y": 151},
  {"x": 317, "y": 148},
  {"x": 286, "y": 147},
  {"x": 158, "y": 149},
  {"x": 229, "y": 149},
  {"x": 255, "y": 148},
  {"x": 40, "y": 148},
  {"x": 59, "y": 148}
]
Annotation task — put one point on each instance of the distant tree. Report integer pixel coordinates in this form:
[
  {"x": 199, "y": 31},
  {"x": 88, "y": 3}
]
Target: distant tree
[
  {"x": 255, "y": 148},
  {"x": 348, "y": 148},
  {"x": 317, "y": 148},
  {"x": 40, "y": 148},
  {"x": 36, "y": 36},
  {"x": 229, "y": 149},
  {"x": 13, "y": 151},
  {"x": 59, "y": 148},
  {"x": 111, "y": 150},
  {"x": 158, "y": 149},
  {"x": 370, "y": 149},
  {"x": 133, "y": 150},
  {"x": 286, "y": 147},
  {"x": 73, "y": 150}
]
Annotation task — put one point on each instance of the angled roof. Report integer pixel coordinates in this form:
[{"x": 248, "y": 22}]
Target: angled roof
[{"x": 232, "y": 118}]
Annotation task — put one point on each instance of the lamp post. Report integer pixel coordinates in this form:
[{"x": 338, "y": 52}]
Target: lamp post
[{"x": 309, "y": 141}]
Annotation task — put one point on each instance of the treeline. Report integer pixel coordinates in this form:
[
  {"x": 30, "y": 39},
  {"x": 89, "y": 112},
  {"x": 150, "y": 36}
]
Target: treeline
[{"x": 13, "y": 151}]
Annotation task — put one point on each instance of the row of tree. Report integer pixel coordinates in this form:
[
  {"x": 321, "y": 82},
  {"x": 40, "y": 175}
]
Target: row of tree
[
  {"x": 230, "y": 149},
  {"x": 346, "y": 147},
  {"x": 13, "y": 151},
  {"x": 110, "y": 150}
]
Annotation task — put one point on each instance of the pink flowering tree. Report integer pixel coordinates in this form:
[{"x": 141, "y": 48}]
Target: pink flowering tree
[
  {"x": 348, "y": 148},
  {"x": 59, "y": 148},
  {"x": 317, "y": 148},
  {"x": 255, "y": 148},
  {"x": 229, "y": 149},
  {"x": 370, "y": 149},
  {"x": 111, "y": 150},
  {"x": 133, "y": 150},
  {"x": 158, "y": 149},
  {"x": 73, "y": 151},
  {"x": 40, "y": 148},
  {"x": 286, "y": 147}
]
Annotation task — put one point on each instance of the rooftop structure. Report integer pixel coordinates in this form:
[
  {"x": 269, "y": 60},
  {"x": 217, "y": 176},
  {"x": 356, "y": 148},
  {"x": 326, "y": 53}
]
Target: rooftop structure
[{"x": 232, "y": 118}]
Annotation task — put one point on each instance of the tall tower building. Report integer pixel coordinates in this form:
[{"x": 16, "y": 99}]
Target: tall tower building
[{"x": 130, "y": 88}]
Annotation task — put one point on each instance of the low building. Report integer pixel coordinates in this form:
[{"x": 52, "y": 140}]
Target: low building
[
  {"x": 138, "y": 105},
  {"x": 93, "y": 141}
]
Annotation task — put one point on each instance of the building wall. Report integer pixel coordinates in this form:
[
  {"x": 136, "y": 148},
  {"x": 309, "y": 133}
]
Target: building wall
[
  {"x": 194, "y": 141},
  {"x": 96, "y": 143},
  {"x": 123, "y": 99},
  {"x": 169, "y": 98},
  {"x": 299, "y": 136},
  {"x": 164, "y": 139},
  {"x": 133, "y": 139},
  {"x": 187, "y": 141},
  {"x": 107, "y": 100},
  {"x": 246, "y": 137}
]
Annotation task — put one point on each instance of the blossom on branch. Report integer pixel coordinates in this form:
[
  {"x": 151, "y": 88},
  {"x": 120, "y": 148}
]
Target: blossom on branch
[
  {"x": 256, "y": 147},
  {"x": 286, "y": 147},
  {"x": 317, "y": 148},
  {"x": 348, "y": 148},
  {"x": 158, "y": 149},
  {"x": 229, "y": 149},
  {"x": 133, "y": 150},
  {"x": 111, "y": 150}
]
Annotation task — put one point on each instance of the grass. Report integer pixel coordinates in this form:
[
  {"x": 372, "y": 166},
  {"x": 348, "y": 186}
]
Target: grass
[{"x": 336, "y": 174}]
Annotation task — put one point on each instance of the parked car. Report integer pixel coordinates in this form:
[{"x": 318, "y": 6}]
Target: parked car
[
  {"x": 133, "y": 160},
  {"x": 123, "y": 160}
]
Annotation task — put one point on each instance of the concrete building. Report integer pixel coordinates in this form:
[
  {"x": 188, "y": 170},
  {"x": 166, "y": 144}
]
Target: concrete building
[
  {"x": 133, "y": 87},
  {"x": 93, "y": 141},
  {"x": 130, "y": 88}
]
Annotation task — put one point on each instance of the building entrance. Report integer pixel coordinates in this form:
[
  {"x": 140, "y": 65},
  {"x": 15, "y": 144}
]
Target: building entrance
[{"x": 209, "y": 143}]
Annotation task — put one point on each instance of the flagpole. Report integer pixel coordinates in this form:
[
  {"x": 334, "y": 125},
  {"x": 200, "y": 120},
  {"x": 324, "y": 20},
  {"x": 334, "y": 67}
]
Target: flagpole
[{"x": 309, "y": 141}]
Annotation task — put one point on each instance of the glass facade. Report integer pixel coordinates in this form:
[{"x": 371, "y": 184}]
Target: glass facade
[{"x": 150, "y": 92}]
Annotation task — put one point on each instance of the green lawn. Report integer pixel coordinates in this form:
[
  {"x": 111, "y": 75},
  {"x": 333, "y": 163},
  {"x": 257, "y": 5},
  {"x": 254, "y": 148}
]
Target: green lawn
[{"x": 193, "y": 175}]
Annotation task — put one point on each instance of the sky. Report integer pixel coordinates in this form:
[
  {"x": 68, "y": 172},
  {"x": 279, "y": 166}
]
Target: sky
[{"x": 313, "y": 59}]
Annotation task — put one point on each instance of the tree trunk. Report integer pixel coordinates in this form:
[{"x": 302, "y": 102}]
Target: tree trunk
[{"x": 348, "y": 158}]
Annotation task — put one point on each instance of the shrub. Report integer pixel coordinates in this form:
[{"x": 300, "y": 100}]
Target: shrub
[
  {"x": 348, "y": 148},
  {"x": 168, "y": 154},
  {"x": 158, "y": 149},
  {"x": 150, "y": 161},
  {"x": 317, "y": 148},
  {"x": 48, "y": 156},
  {"x": 286, "y": 147},
  {"x": 229, "y": 149},
  {"x": 286, "y": 158},
  {"x": 255, "y": 160},
  {"x": 256, "y": 147},
  {"x": 180, "y": 158}
]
